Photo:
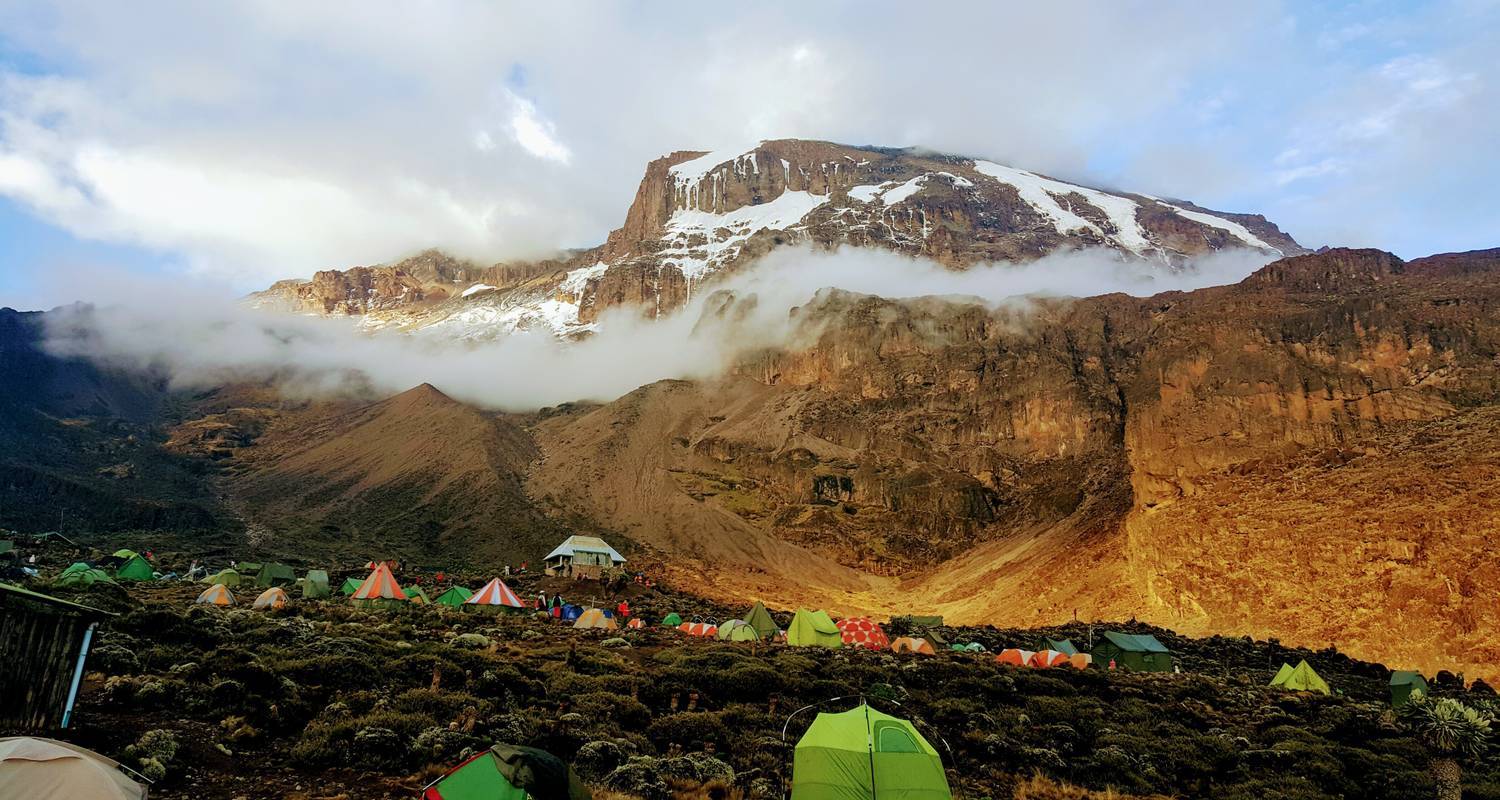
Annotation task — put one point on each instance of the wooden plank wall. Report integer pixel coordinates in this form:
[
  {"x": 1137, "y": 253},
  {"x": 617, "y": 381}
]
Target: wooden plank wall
[{"x": 38, "y": 651}]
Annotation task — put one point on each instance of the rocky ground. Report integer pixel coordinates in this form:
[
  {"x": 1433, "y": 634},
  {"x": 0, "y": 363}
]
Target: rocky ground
[{"x": 323, "y": 700}]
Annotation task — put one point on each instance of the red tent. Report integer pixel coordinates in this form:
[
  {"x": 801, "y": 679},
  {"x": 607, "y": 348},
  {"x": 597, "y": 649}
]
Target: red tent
[
  {"x": 863, "y": 632},
  {"x": 381, "y": 585}
]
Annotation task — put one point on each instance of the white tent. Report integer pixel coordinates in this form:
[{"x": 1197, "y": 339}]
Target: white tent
[{"x": 46, "y": 769}]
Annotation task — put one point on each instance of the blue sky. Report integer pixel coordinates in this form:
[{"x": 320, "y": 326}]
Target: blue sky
[{"x": 243, "y": 142}]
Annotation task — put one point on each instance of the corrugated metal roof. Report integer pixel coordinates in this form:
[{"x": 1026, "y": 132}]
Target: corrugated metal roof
[{"x": 585, "y": 544}]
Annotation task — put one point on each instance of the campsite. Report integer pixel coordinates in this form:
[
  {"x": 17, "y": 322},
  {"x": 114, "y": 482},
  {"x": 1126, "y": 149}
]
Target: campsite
[{"x": 311, "y": 682}]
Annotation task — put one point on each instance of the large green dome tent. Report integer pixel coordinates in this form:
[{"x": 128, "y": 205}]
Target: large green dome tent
[
  {"x": 135, "y": 569},
  {"x": 509, "y": 772},
  {"x": 863, "y": 754}
]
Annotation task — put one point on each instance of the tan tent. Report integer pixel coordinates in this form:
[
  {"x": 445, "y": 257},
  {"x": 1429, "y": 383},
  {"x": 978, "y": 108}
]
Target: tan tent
[
  {"x": 272, "y": 598},
  {"x": 594, "y": 618},
  {"x": 45, "y": 769},
  {"x": 216, "y": 595}
]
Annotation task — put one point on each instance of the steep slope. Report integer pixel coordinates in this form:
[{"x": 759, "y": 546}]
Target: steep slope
[
  {"x": 698, "y": 215},
  {"x": 417, "y": 475}
]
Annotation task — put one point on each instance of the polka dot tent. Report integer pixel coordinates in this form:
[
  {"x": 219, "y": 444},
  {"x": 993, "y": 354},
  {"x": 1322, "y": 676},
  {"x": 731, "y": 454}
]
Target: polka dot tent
[{"x": 863, "y": 632}]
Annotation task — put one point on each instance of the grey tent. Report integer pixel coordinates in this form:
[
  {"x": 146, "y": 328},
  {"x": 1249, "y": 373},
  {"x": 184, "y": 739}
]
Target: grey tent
[
  {"x": 1137, "y": 651},
  {"x": 315, "y": 585},
  {"x": 1404, "y": 684}
]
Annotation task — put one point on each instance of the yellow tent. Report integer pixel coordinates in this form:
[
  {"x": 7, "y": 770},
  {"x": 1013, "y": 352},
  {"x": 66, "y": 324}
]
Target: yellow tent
[
  {"x": 216, "y": 595},
  {"x": 814, "y": 629},
  {"x": 1301, "y": 678},
  {"x": 594, "y": 618}
]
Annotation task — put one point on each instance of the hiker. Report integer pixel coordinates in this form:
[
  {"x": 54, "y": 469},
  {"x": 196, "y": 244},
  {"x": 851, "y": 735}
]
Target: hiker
[{"x": 507, "y": 570}]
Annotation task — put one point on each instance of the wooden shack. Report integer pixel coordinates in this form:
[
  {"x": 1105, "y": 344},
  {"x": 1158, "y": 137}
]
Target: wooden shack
[
  {"x": 44, "y": 642},
  {"x": 583, "y": 557}
]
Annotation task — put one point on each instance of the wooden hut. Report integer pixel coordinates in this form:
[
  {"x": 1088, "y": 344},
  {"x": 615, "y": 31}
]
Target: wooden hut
[{"x": 43, "y": 644}]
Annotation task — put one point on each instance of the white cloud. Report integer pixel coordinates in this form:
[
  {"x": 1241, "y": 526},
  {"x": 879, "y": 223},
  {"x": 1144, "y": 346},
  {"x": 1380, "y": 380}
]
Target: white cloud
[{"x": 536, "y": 135}]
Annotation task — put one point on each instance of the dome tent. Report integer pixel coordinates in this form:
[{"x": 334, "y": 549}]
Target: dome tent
[
  {"x": 216, "y": 595},
  {"x": 863, "y": 754},
  {"x": 862, "y": 632},
  {"x": 270, "y": 600},
  {"x": 81, "y": 574},
  {"x": 509, "y": 772},
  {"x": 671, "y": 620},
  {"x": 910, "y": 644},
  {"x": 46, "y": 768},
  {"x": 813, "y": 629},
  {"x": 737, "y": 630},
  {"x": 135, "y": 568}
]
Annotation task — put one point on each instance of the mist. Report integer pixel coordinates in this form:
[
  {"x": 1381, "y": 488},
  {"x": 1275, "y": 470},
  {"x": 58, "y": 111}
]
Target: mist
[{"x": 199, "y": 337}]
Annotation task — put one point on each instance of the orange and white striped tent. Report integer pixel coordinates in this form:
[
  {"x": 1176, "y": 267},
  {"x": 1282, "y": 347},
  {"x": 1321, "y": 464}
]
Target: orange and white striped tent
[
  {"x": 272, "y": 598},
  {"x": 911, "y": 644},
  {"x": 495, "y": 593},
  {"x": 1046, "y": 659},
  {"x": 216, "y": 595},
  {"x": 381, "y": 585},
  {"x": 1015, "y": 657},
  {"x": 594, "y": 618},
  {"x": 863, "y": 632},
  {"x": 1080, "y": 660},
  {"x": 704, "y": 629},
  {"x": 636, "y": 623}
]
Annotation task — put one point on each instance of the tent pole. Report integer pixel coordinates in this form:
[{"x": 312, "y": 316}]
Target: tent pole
[{"x": 83, "y": 653}]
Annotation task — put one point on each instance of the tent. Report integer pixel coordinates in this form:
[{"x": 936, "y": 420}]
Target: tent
[
  {"x": 1081, "y": 660},
  {"x": 594, "y": 618},
  {"x": 135, "y": 568},
  {"x": 1014, "y": 657},
  {"x": 350, "y": 586},
  {"x": 271, "y": 599},
  {"x": 380, "y": 589},
  {"x": 704, "y": 629},
  {"x": 216, "y": 595},
  {"x": 671, "y": 620},
  {"x": 862, "y": 632},
  {"x": 46, "y": 768},
  {"x": 1405, "y": 684},
  {"x": 273, "y": 574},
  {"x": 863, "y": 754},
  {"x": 123, "y": 554},
  {"x": 813, "y": 629},
  {"x": 738, "y": 630},
  {"x": 248, "y": 567},
  {"x": 416, "y": 595},
  {"x": 636, "y": 623},
  {"x": 1045, "y": 659},
  {"x": 1301, "y": 678},
  {"x": 508, "y": 772},
  {"x": 227, "y": 577},
  {"x": 911, "y": 644},
  {"x": 570, "y": 612},
  {"x": 974, "y": 647},
  {"x": 81, "y": 574},
  {"x": 455, "y": 597},
  {"x": 1060, "y": 645},
  {"x": 760, "y": 619},
  {"x": 495, "y": 595},
  {"x": 315, "y": 585},
  {"x": 1137, "y": 651}
]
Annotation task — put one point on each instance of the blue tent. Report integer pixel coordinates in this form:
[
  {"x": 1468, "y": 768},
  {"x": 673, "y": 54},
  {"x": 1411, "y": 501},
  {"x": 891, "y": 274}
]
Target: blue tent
[{"x": 571, "y": 612}]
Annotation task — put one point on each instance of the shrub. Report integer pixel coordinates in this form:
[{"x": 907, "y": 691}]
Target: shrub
[{"x": 691, "y": 730}]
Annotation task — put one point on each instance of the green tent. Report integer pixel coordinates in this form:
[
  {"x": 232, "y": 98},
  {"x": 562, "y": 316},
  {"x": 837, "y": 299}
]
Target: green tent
[
  {"x": 1405, "y": 684},
  {"x": 813, "y": 629},
  {"x": 315, "y": 585},
  {"x": 351, "y": 585},
  {"x": 454, "y": 597},
  {"x": 738, "y": 630},
  {"x": 228, "y": 577},
  {"x": 863, "y": 754},
  {"x": 1301, "y": 678},
  {"x": 1060, "y": 645},
  {"x": 415, "y": 594},
  {"x": 135, "y": 569},
  {"x": 509, "y": 772},
  {"x": 1137, "y": 651},
  {"x": 124, "y": 555},
  {"x": 6, "y": 546},
  {"x": 273, "y": 574},
  {"x": 81, "y": 574},
  {"x": 671, "y": 620},
  {"x": 760, "y": 619}
]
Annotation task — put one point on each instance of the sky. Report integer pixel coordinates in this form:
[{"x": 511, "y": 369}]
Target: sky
[{"x": 243, "y": 142}]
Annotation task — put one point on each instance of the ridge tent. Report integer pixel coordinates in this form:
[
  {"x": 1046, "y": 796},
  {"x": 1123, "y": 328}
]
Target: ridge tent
[
  {"x": 227, "y": 577},
  {"x": 380, "y": 589},
  {"x": 350, "y": 586},
  {"x": 454, "y": 597},
  {"x": 813, "y": 629},
  {"x": 911, "y": 644},
  {"x": 45, "y": 768},
  {"x": 416, "y": 595},
  {"x": 216, "y": 595},
  {"x": 273, "y": 574},
  {"x": 315, "y": 585},
  {"x": 737, "y": 630},
  {"x": 496, "y": 595},
  {"x": 1405, "y": 684},
  {"x": 862, "y": 632},
  {"x": 863, "y": 754},
  {"x": 671, "y": 620},
  {"x": 81, "y": 574},
  {"x": 509, "y": 772},
  {"x": 760, "y": 619},
  {"x": 1301, "y": 678},
  {"x": 1060, "y": 645},
  {"x": 271, "y": 599},
  {"x": 135, "y": 568},
  {"x": 594, "y": 618},
  {"x": 1137, "y": 651}
]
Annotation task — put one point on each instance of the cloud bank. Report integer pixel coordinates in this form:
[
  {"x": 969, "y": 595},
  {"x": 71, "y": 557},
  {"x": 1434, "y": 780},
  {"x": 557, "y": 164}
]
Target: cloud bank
[{"x": 198, "y": 338}]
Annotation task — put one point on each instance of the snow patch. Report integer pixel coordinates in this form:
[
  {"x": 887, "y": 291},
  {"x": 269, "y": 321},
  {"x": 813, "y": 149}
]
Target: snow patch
[
  {"x": 1039, "y": 193},
  {"x": 700, "y": 241},
  {"x": 476, "y": 289},
  {"x": 577, "y": 281},
  {"x": 1231, "y": 227}
]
